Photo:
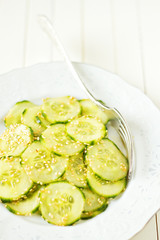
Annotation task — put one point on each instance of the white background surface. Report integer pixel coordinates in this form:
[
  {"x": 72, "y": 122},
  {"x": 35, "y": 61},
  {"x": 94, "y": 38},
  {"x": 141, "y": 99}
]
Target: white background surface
[{"x": 119, "y": 35}]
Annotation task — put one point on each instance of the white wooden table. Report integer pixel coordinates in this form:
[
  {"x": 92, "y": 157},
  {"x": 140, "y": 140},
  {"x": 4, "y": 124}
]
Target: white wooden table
[{"x": 122, "y": 36}]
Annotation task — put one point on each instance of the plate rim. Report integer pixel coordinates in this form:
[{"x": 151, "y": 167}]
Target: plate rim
[{"x": 97, "y": 67}]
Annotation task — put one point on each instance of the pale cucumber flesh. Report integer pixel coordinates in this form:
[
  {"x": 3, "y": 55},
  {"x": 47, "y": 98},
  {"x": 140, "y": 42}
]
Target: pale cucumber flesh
[{"x": 62, "y": 146}]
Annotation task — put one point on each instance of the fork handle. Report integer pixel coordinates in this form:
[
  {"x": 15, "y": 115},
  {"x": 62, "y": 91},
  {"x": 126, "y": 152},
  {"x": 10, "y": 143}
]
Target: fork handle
[{"x": 48, "y": 27}]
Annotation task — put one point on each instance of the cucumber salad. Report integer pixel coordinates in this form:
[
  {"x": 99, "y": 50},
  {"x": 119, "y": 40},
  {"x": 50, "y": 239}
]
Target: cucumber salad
[{"x": 56, "y": 159}]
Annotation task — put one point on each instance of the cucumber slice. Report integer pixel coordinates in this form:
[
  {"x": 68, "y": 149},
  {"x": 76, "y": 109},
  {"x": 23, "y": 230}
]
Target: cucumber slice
[
  {"x": 34, "y": 118},
  {"x": 14, "y": 114},
  {"x": 61, "y": 203},
  {"x": 107, "y": 161},
  {"x": 41, "y": 165},
  {"x": 91, "y": 214},
  {"x": 76, "y": 172},
  {"x": 93, "y": 201},
  {"x": 14, "y": 140},
  {"x": 56, "y": 139},
  {"x": 61, "y": 109},
  {"x": 86, "y": 129},
  {"x": 103, "y": 187},
  {"x": 34, "y": 188},
  {"x": 90, "y": 109},
  {"x": 42, "y": 118},
  {"x": 27, "y": 206},
  {"x": 14, "y": 182}
]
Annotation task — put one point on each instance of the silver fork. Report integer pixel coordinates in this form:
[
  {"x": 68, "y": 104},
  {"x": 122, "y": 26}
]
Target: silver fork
[{"x": 117, "y": 121}]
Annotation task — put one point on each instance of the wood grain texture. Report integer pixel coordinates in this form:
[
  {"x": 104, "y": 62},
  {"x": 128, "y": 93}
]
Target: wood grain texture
[
  {"x": 158, "y": 224},
  {"x": 149, "y": 19},
  {"x": 129, "y": 64},
  {"x": 37, "y": 46},
  {"x": 98, "y": 38},
  {"x": 12, "y": 28},
  {"x": 126, "y": 42},
  {"x": 148, "y": 232},
  {"x": 119, "y": 35},
  {"x": 66, "y": 16}
]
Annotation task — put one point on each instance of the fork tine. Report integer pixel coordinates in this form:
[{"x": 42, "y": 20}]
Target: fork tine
[
  {"x": 122, "y": 125},
  {"x": 123, "y": 131},
  {"x": 123, "y": 136}
]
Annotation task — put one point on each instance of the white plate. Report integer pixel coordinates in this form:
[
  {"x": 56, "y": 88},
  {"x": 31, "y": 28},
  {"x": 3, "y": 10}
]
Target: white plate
[{"x": 124, "y": 216}]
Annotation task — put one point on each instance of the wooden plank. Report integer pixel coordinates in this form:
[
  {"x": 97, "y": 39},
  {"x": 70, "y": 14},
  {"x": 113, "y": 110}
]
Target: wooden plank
[
  {"x": 98, "y": 38},
  {"x": 129, "y": 64},
  {"x": 149, "y": 19},
  {"x": 66, "y": 16},
  {"x": 12, "y": 22},
  {"x": 126, "y": 40},
  {"x": 38, "y": 45},
  {"x": 158, "y": 223},
  {"x": 148, "y": 232}
]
